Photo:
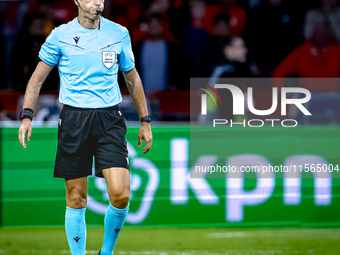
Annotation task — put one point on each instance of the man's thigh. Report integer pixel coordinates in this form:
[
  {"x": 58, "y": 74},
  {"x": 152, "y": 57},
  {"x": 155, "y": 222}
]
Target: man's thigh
[
  {"x": 117, "y": 178},
  {"x": 75, "y": 143},
  {"x": 111, "y": 150},
  {"x": 118, "y": 185}
]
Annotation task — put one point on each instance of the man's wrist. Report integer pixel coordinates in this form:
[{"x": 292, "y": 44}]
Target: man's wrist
[
  {"x": 145, "y": 123},
  {"x": 25, "y": 118},
  {"x": 146, "y": 119},
  {"x": 26, "y": 113}
]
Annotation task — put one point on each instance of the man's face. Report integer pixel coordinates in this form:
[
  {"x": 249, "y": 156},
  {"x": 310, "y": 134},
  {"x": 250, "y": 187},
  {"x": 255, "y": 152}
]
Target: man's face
[
  {"x": 89, "y": 8},
  {"x": 155, "y": 28},
  {"x": 240, "y": 50},
  {"x": 321, "y": 34},
  {"x": 237, "y": 51},
  {"x": 221, "y": 28},
  {"x": 197, "y": 8}
]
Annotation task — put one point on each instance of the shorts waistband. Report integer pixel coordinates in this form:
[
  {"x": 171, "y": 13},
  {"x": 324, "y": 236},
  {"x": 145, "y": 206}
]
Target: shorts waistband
[{"x": 68, "y": 107}]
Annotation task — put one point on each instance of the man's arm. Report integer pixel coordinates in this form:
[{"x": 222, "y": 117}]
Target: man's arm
[
  {"x": 31, "y": 96},
  {"x": 136, "y": 90}
]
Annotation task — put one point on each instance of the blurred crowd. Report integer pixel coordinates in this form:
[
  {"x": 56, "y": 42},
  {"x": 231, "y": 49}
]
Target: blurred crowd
[{"x": 175, "y": 40}]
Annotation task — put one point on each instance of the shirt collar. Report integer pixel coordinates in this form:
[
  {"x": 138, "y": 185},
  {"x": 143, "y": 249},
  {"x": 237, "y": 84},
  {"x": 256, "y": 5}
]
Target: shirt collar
[{"x": 89, "y": 29}]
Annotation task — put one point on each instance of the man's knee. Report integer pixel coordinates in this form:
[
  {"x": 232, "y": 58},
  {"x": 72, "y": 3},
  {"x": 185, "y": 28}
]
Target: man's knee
[
  {"x": 120, "y": 199},
  {"x": 76, "y": 198}
]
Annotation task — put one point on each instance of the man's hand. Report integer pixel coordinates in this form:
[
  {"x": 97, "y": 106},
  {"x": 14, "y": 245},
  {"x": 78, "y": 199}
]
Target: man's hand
[
  {"x": 25, "y": 127},
  {"x": 135, "y": 87},
  {"x": 145, "y": 134},
  {"x": 31, "y": 96}
]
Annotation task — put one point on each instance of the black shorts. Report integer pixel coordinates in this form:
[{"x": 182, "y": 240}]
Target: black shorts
[{"x": 87, "y": 133}]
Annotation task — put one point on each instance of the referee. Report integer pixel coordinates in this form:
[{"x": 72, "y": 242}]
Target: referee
[{"x": 89, "y": 50}]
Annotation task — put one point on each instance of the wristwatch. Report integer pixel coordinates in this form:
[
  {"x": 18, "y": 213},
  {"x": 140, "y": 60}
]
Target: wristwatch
[{"x": 146, "y": 119}]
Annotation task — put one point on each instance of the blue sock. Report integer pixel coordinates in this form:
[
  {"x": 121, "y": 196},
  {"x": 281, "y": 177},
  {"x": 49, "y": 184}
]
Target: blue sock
[
  {"x": 113, "y": 223},
  {"x": 76, "y": 230}
]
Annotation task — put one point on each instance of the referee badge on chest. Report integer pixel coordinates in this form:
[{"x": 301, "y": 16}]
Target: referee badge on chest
[{"x": 108, "y": 58}]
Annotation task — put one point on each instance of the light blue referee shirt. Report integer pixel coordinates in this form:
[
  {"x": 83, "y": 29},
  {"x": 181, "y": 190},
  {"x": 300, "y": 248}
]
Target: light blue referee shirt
[{"x": 88, "y": 61}]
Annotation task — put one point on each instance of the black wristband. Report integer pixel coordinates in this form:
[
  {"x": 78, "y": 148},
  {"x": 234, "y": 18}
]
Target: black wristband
[
  {"x": 26, "y": 113},
  {"x": 146, "y": 119}
]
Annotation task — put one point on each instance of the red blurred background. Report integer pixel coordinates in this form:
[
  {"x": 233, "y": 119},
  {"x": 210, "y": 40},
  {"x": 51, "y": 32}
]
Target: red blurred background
[{"x": 174, "y": 40}]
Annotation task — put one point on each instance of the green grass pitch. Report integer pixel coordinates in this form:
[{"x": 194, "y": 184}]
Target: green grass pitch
[{"x": 178, "y": 241}]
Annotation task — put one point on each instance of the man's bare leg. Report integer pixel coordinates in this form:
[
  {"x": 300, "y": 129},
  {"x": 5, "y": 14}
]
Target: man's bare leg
[
  {"x": 118, "y": 186},
  {"x": 76, "y": 199}
]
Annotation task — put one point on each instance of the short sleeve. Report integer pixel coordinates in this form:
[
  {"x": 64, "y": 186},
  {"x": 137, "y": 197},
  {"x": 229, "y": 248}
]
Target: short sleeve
[
  {"x": 49, "y": 52},
  {"x": 126, "y": 58}
]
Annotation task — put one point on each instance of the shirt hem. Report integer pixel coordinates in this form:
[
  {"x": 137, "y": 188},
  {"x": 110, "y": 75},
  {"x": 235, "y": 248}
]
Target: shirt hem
[
  {"x": 127, "y": 69},
  {"x": 46, "y": 62},
  {"x": 92, "y": 107}
]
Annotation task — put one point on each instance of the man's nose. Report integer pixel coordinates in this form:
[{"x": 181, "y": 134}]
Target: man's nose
[{"x": 97, "y": 2}]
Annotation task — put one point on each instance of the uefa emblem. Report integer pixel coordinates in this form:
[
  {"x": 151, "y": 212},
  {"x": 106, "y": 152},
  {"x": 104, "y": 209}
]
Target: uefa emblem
[{"x": 108, "y": 58}]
